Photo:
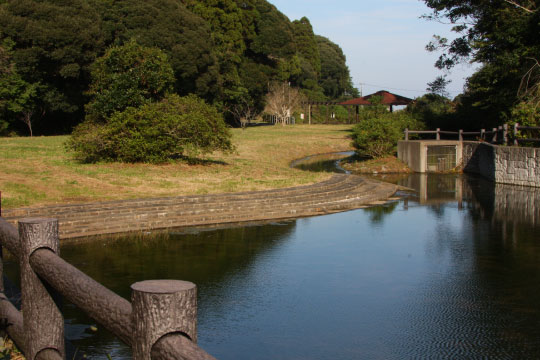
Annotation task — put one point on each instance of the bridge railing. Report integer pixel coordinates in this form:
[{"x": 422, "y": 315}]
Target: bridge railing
[
  {"x": 498, "y": 135},
  {"x": 160, "y": 322}
]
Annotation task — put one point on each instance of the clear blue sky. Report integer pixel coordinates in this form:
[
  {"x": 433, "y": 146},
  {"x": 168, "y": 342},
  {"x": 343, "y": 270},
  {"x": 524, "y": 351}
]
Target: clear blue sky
[{"x": 384, "y": 41}]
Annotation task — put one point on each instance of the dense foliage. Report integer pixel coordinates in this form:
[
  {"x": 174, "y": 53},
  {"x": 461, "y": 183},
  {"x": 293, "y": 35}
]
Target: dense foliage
[
  {"x": 434, "y": 111},
  {"x": 156, "y": 132},
  {"x": 224, "y": 51},
  {"x": 128, "y": 76},
  {"x": 377, "y": 136},
  {"x": 501, "y": 36}
]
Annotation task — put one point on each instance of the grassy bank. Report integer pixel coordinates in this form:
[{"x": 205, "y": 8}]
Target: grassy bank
[{"x": 38, "y": 171}]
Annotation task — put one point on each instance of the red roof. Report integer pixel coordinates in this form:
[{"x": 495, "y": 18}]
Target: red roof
[
  {"x": 387, "y": 99},
  {"x": 357, "y": 101}
]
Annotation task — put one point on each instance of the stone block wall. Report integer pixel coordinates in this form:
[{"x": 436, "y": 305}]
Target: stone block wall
[{"x": 503, "y": 164}]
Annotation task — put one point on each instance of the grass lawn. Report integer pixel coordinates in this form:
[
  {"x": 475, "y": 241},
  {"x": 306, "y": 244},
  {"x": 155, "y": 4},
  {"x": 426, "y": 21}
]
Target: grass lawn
[{"x": 38, "y": 171}]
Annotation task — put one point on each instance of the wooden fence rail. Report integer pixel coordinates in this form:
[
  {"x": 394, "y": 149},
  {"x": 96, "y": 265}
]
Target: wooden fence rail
[
  {"x": 500, "y": 135},
  {"x": 159, "y": 323}
]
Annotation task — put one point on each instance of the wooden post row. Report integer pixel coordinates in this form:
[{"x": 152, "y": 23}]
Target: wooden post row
[{"x": 42, "y": 319}]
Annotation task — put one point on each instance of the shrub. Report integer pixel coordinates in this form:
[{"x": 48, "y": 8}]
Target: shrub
[
  {"x": 378, "y": 136},
  {"x": 156, "y": 132}
]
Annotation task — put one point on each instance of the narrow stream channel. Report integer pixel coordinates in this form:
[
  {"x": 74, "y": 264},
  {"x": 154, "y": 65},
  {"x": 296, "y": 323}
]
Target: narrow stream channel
[{"x": 449, "y": 272}]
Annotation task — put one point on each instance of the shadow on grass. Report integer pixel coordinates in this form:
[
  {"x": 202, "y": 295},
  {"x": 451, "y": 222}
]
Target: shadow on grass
[{"x": 198, "y": 161}]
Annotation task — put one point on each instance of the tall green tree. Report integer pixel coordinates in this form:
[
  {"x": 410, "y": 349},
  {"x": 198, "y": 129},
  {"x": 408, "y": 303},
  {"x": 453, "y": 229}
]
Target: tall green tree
[
  {"x": 308, "y": 55},
  {"x": 502, "y": 36},
  {"x": 335, "y": 78},
  {"x": 54, "y": 44},
  {"x": 171, "y": 27}
]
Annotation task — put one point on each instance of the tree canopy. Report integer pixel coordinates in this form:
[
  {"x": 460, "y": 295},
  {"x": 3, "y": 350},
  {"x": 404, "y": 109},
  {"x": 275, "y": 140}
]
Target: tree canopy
[
  {"x": 502, "y": 36},
  {"x": 225, "y": 51}
]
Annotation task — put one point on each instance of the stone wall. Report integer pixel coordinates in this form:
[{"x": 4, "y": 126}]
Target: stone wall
[{"x": 503, "y": 164}]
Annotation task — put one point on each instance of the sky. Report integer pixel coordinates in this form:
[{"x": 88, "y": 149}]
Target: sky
[{"x": 384, "y": 42}]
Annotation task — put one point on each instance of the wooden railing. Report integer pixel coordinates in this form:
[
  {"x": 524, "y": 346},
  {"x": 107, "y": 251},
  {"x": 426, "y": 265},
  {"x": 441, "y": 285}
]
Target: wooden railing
[
  {"x": 160, "y": 322},
  {"x": 498, "y": 135}
]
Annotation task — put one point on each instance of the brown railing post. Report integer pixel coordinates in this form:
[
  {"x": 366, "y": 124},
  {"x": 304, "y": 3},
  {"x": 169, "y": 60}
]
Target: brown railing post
[
  {"x": 406, "y": 134},
  {"x": 438, "y": 137},
  {"x": 42, "y": 320},
  {"x": 505, "y": 134},
  {"x": 161, "y": 307},
  {"x": 460, "y": 134},
  {"x": 516, "y": 125}
]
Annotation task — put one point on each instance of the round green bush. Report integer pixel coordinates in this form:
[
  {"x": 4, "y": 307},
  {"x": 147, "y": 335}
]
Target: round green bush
[
  {"x": 378, "y": 136},
  {"x": 157, "y": 132}
]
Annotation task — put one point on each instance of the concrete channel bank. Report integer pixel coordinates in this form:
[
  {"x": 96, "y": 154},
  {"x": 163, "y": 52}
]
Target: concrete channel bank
[{"x": 340, "y": 193}]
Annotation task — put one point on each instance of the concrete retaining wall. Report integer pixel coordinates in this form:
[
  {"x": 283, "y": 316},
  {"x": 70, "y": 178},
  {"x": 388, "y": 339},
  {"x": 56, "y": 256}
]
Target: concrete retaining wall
[
  {"x": 414, "y": 152},
  {"x": 503, "y": 164}
]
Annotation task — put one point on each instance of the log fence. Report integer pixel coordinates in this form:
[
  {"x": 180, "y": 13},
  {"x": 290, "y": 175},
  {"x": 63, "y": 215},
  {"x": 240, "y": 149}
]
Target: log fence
[
  {"x": 160, "y": 322},
  {"x": 498, "y": 135}
]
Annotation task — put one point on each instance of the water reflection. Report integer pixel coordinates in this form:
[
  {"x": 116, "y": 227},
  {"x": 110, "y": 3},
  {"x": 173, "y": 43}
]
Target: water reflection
[{"x": 451, "y": 271}]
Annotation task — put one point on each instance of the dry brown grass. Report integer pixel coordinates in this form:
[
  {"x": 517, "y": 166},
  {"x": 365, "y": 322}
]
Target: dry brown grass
[{"x": 38, "y": 171}]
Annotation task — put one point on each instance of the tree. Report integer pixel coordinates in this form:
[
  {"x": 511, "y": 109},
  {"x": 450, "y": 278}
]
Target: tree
[
  {"x": 435, "y": 111},
  {"x": 309, "y": 58},
  {"x": 335, "y": 78},
  {"x": 53, "y": 45},
  {"x": 243, "y": 112},
  {"x": 128, "y": 76},
  {"x": 168, "y": 25},
  {"x": 18, "y": 98},
  {"x": 274, "y": 38},
  {"x": 502, "y": 36},
  {"x": 438, "y": 86},
  {"x": 282, "y": 100}
]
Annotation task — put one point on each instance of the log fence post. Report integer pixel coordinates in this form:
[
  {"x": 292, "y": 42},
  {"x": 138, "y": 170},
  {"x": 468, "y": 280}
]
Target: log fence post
[
  {"x": 162, "y": 307},
  {"x": 406, "y": 134},
  {"x": 460, "y": 134},
  {"x": 438, "y": 136},
  {"x": 482, "y": 134},
  {"x": 516, "y": 125},
  {"x": 42, "y": 320},
  {"x": 505, "y": 134},
  {"x": 495, "y": 133}
]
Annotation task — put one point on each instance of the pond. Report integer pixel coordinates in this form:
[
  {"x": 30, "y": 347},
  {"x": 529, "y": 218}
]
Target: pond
[{"x": 451, "y": 270}]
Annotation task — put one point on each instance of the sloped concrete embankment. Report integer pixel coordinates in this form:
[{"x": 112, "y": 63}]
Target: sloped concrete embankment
[{"x": 339, "y": 193}]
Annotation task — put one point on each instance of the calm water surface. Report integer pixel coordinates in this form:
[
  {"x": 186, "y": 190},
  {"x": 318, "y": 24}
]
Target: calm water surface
[{"x": 451, "y": 271}]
